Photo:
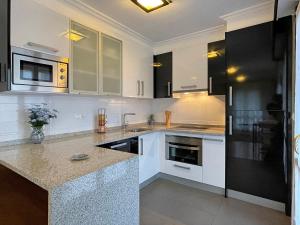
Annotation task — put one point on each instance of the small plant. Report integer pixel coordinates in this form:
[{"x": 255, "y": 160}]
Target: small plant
[
  {"x": 40, "y": 115},
  {"x": 151, "y": 119}
]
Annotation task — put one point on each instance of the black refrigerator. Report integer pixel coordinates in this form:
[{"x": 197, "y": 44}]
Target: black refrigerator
[{"x": 256, "y": 114}]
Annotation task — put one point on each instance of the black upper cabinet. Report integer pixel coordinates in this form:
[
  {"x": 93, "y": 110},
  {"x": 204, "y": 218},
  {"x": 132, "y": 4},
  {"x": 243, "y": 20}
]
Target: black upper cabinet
[
  {"x": 216, "y": 68},
  {"x": 255, "y": 82},
  {"x": 163, "y": 75},
  {"x": 4, "y": 44}
]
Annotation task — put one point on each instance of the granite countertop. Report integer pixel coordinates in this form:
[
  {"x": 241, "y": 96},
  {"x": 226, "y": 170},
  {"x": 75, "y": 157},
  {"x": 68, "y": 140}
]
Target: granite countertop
[{"x": 48, "y": 165}]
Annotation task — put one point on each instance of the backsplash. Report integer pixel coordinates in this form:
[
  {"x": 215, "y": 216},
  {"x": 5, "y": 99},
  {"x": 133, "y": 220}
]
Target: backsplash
[
  {"x": 78, "y": 113},
  {"x": 198, "y": 108}
]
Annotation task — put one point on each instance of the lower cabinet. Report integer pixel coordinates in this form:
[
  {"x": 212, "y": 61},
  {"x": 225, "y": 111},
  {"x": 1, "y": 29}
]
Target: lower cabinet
[
  {"x": 214, "y": 162},
  {"x": 148, "y": 156},
  {"x": 183, "y": 170}
]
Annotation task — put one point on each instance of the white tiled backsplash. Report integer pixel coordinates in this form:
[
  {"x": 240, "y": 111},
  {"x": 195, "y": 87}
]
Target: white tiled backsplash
[{"x": 78, "y": 113}]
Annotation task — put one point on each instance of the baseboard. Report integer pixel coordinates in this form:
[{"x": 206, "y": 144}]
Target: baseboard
[
  {"x": 189, "y": 183},
  {"x": 149, "y": 181},
  {"x": 279, "y": 206}
]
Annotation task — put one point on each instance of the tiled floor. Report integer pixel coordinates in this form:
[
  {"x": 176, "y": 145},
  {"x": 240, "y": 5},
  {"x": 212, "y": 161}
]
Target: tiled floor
[{"x": 166, "y": 203}]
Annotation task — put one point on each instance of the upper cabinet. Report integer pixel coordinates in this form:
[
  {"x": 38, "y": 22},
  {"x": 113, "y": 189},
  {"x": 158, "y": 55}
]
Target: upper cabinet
[
  {"x": 111, "y": 58},
  {"x": 36, "y": 27},
  {"x": 163, "y": 64},
  {"x": 84, "y": 60},
  {"x": 4, "y": 44},
  {"x": 217, "y": 68},
  {"x": 190, "y": 68},
  {"x": 138, "y": 71}
]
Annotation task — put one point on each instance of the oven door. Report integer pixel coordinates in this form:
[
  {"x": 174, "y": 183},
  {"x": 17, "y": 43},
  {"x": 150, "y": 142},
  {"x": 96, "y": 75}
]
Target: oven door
[
  {"x": 184, "y": 153},
  {"x": 34, "y": 71}
]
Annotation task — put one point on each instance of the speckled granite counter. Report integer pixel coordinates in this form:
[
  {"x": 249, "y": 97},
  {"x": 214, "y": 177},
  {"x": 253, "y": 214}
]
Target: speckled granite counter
[{"x": 108, "y": 179}]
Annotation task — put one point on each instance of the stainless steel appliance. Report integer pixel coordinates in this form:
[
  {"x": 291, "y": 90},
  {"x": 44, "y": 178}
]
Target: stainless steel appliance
[
  {"x": 128, "y": 145},
  {"x": 35, "y": 71},
  {"x": 184, "y": 149}
]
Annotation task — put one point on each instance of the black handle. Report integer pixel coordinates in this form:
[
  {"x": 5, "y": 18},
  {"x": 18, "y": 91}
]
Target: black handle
[{"x": 4, "y": 74}]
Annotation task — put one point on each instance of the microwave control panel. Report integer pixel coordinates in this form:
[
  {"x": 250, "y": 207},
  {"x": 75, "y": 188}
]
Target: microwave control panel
[{"x": 62, "y": 78}]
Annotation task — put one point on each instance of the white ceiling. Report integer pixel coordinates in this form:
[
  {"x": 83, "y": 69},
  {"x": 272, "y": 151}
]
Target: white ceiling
[{"x": 179, "y": 18}]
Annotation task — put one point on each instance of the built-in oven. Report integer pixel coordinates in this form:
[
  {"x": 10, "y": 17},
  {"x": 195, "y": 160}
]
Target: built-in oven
[
  {"x": 35, "y": 71},
  {"x": 184, "y": 149}
]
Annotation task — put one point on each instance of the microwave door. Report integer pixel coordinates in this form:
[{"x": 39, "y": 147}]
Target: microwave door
[{"x": 34, "y": 71}]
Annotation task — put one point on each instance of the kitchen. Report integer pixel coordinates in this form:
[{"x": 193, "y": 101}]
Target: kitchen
[{"x": 177, "y": 101}]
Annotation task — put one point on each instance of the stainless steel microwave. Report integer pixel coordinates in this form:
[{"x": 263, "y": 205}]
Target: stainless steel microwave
[{"x": 38, "y": 72}]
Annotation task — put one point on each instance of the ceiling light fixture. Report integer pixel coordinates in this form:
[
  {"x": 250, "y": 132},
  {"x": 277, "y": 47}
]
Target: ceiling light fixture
[{"x": 151, "y": 5}]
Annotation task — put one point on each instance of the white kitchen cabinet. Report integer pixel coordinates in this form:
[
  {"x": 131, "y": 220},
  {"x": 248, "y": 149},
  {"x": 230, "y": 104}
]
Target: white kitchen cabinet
[
  {"x": 111, "y": 58},
  {"x": 36, "y": 27},
  {"x": 137, "y": 71},
  {"x": 214, "y": 161},
  {"x": 190, "y": 68},
  {"x": 182, "y": 170},
  {"x": 148, "y": 156},
  {"x": 84, "y": 62}
]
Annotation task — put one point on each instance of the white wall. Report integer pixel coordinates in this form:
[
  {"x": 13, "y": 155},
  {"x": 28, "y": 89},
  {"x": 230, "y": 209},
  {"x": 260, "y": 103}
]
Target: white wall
[
  {"x": 193, "y": 108},
  {"x": 76, "y": 113}
]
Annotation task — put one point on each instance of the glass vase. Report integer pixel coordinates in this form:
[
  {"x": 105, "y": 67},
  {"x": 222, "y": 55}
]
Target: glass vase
[{"x": 37, "y": 135}]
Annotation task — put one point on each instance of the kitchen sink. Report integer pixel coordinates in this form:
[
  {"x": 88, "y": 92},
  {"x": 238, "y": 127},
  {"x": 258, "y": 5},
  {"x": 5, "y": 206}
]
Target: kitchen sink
[{"x": 138, "y": 130}]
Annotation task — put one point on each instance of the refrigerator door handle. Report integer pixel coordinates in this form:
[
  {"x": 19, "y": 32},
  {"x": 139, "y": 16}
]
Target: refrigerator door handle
[
  {"x": 230, "y": 95},
  {"x": 230, "y": 125}
]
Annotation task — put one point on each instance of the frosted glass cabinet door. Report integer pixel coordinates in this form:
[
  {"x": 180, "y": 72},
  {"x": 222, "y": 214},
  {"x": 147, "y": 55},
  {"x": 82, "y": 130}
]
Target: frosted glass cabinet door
[
  {"x": 111, "y": 79},
  {"x": 84, "y": 59}
]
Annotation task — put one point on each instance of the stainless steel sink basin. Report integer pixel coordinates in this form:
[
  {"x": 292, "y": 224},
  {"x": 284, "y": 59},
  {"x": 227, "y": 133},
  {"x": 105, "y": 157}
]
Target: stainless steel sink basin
[{"x": 138, "y": 130}]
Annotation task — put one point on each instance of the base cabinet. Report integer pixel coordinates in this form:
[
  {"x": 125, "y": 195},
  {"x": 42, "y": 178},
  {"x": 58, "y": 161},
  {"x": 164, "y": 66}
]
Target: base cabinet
[
  {"x": 148, "y": 156},
  {"x": 183, "y": 170},
  {"x": 214, "y": 162}
]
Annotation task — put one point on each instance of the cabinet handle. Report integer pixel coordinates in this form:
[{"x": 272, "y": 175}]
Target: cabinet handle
[
  {"x": 210, "y": 85},
  {"x": 1, "y": 72},
  {"x": 169, "y": 89},
  {"x": 230, "y": 125},
  {"x": 230, "y": 95},
  {"x": 119, "y": 145},
  {"x": 182, "y": 167},
  {"x": 4, "y": 74},
  {"x": 45, "y": 47},
  {"x": 142, "y": 146},
  {"x": 211, "y": 139},
  {"x": 143, "y": 88},
  {"x": 138, "y": 88},
  {"x": 189, "y": 87}
]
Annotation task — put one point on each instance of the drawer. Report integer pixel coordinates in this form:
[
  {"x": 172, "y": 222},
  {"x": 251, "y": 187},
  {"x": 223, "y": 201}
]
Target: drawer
[{"x": 183, "y": 170}]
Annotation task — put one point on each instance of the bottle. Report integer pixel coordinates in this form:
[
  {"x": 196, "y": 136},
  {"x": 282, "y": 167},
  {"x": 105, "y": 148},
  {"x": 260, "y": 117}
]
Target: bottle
[{"x": 101, "y": 121}]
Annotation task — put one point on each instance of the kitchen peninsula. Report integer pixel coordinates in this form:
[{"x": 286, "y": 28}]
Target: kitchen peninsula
[{"x": 104, "y": 189}]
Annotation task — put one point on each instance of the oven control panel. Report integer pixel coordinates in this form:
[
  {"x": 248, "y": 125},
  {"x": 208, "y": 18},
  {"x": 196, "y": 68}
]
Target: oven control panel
[{"x": 62, "y": 75}]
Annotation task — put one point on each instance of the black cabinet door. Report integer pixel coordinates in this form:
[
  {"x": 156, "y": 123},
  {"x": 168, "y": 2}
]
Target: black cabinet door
[
  {"x": 255, "y": 82},
  {"x": 4, "y": 44},
  {"x": 255, "y": 154},
  {"x": 163, "y": 75},
  {"x": 216, "y": 68}
]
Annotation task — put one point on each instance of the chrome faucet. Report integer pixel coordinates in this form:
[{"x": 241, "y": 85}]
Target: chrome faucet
[{"x": 124, "y": 122}]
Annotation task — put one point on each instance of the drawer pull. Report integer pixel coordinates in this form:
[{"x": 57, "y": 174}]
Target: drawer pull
[
  {"x": 119, "y": 145},
  {"x": 189, "y": 87},
  {"x": 182, "y": 167},
  {"x": 47, "y": 48},
  {"x": 210, "y": 139}
]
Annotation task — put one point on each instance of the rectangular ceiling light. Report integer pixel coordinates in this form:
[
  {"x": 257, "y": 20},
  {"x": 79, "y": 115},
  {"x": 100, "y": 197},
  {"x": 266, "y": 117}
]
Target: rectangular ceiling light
[{"x": 150, "y": 5}]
